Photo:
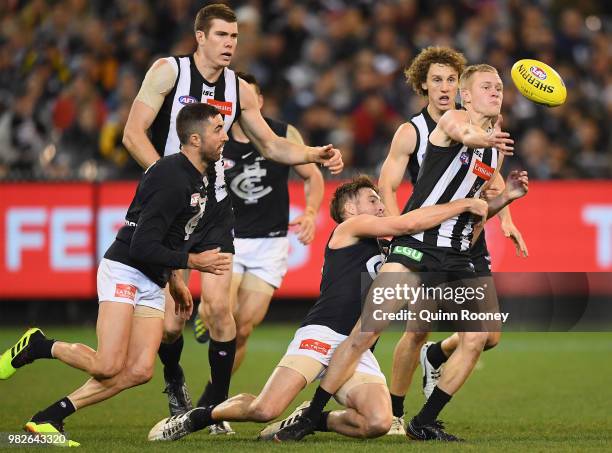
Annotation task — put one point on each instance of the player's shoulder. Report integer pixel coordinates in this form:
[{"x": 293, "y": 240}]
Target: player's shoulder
[
  {"x": 405, "y": 138},
  {"x": 453, "y": 115},
  {"x": 167, "y": 167}
]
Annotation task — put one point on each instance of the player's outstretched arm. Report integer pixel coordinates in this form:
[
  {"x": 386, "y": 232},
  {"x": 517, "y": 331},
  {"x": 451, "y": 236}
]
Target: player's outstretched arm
[
  {"x": 276, "y": 148},
  {"x": 158, "y": 82},
  {"x": 314, "y": 187},
  {"x": 455, "y": 126},
  {"x": 412, "y": 222},
  {"x": 517, "y": 186},
  {"x": 394, "y": 167}
]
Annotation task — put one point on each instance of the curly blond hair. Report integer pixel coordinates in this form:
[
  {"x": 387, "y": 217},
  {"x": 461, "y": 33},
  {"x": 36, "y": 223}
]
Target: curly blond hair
[{"x": 416, "y": 74}]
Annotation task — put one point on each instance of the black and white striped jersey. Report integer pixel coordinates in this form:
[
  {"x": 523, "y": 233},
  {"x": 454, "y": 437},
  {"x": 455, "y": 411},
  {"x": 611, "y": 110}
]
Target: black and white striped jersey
[
  {"x": 449, "y": 174},
  {"x": 190, "y": 87},
  {"x": 424, "y": 124}
]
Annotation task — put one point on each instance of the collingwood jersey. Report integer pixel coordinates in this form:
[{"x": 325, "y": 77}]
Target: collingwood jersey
[
  {"x": 190, "y": 87},
  {"x": 424, "y": 124},
  {"x": 447, "y": 174},
  {"x": 340, "y": 302},
  {"x": 258, "y": 188}
]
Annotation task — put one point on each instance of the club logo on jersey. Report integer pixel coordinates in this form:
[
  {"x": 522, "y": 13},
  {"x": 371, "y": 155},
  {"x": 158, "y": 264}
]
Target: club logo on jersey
[
  {"x": 482, "y": 170},
  {"x": 195, "y": 198},
  {"x": 228, "y": 163},
  {"x": 246, "y": 184},
  {"x": 315, "y": 345},
  {"x": 224, "y": 107},
  {"x": 373, "y": 265},
  {"x": 538, "y": 72},
  {"x": 185, "y": 100},
  {"x": 464, "y": 157},
  {"x": 409, "y": 252},
  {"x": 125, "y": 291}
]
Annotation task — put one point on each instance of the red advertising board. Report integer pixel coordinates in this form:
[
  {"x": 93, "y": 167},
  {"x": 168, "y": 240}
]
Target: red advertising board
[{"x": 52, "y": 235}]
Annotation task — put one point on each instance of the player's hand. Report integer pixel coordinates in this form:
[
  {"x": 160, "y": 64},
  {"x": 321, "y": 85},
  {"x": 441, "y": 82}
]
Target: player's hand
[
  {"x": 501, "y": 140},
  {"x": 512, "y": 232},
  {"x": 517, "y": 184},
  {"x": 183, "y": 301},
  {"x": 211, "y": 261},
  {"x": 305, "y": 227},
  {"x": 330, "y": 157}
]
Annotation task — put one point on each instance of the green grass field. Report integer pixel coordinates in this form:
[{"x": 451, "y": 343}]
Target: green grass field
[{"x": 534, "y": 392}]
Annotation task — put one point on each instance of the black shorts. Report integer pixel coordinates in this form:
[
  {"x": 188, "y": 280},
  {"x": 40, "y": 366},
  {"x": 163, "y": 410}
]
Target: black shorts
[
  {"x": 216, "y": 229},
  {"x": 479, "y": 254},
  {"x": 445, "y": 262}
]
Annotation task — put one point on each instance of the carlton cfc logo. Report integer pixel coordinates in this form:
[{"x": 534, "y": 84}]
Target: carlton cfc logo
[
  {"x": 538, "y": 72},
  {"x": 188, "y": 100}
]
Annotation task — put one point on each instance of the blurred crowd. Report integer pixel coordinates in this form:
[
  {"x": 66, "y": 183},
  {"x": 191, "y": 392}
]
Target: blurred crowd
[{"x": 69, "y": 70}]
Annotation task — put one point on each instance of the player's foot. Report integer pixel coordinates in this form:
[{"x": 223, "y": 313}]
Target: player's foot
[
  {"x": 431, "y": 375},
  {"x": 200, "y": 331},
  {"x": 179, "y": 400},
  {"x": 270, "y": 431},
  {"x": 18, "y": 356},
  {"x": 433, "y": 431},
  {"x": 397, "y": 427},
  {"x": 301, "y": 428},
  {"x": 177, "y": 426},
  {"x": 220, "y": 429},
  {"x": 53, "y": 432}
]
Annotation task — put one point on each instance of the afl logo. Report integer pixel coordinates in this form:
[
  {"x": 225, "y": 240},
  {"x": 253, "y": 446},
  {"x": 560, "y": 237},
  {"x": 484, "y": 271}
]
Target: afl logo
[
  {"x": 464, "y": 157},
  {"x": 539, "y": 73},
  {"x": 188, "y": 100}
]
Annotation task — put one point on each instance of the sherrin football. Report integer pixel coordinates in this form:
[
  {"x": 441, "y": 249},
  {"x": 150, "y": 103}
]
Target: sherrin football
[{"x": 538, "y": 82}]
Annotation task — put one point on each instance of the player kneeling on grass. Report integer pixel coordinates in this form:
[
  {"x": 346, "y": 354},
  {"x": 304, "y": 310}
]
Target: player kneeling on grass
[
  {"x": 352, "y": 250},
  {"x": 166, "y": 209}
]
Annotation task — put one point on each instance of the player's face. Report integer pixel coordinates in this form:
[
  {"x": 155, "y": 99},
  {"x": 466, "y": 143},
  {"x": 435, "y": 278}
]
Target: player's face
[
  {"x": 220, "y": 43},
  {"x": 214, "y": 138},
  {"x": 368, "y": 202},
  {"x": 441, "y": 85},
  {"x": 487, "y": 93}
]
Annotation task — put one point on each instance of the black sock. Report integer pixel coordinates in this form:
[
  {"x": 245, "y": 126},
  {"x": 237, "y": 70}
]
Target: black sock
[
  {"x": 221, "y": 358},
  {"x": 322, "y": 423},
  {"x": 201, "y": 417},
  {"x": 57, "y": 412},
  {"x": 319, "y": 400},
  {"x": 41, "y": 349},
  {"x": 170, "y": 355},
  {"x": 206, "y": 397},
  {"x": 397, "y": 403},
  {"x": 435, "y": 355},
  {"x": 432, "y": 408}
]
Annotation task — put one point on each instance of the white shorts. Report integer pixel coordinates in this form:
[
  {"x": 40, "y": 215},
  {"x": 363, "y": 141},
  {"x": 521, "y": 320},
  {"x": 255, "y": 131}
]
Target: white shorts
[
  {"x": 118, "y": 282},
  {"x": 266, "y": 258},
  {"x": 320, "y": 342}
]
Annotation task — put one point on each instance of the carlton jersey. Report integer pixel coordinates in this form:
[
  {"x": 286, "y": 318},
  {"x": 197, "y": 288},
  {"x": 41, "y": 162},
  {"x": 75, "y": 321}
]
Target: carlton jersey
[
  {"x": 258, "y": 188},
  {"x": 190, "y": 87},
  {"x": 169, "y": 202},
  {"x": 448, "y": 174},
  {"x": 340, "y": 302}
]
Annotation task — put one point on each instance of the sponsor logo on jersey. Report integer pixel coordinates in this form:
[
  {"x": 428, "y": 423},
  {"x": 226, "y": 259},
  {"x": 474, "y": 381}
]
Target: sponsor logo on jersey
[
  {"x": 195, "y": 198},
  {"x": 206, "y": 92},
  {"x": 188, "y": 100},
  {"x": 125, "y": 290},
  {"x": 228, "y": 163},
  {"x": 315, "y": 345},
  {"x": 409, "y": 252},
  {"x": 224, "y": 107},
  {"x": 538, "y": 72},
  {"x": 482, "y": 170},
  {"x": 464, "y": 157}
]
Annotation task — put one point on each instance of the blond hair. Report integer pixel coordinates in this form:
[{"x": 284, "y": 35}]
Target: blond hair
[{"x": 471, "y": 70}]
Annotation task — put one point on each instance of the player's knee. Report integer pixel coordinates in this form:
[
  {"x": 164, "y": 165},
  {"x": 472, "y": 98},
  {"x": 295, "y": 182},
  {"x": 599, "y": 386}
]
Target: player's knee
[
  {"x": 243, "y": 332},
  {"x": 139, "y": 374},
  {"x": 106, "y": 369},
  {"x": 362, "y": 341},
  {"x": 492, "y": 340},
  {"x": 377, "y": 425},
  {"x": 475, "y": 341},
  {"x": 416, "y": 338},
  {"x": 260, "y": 412},
  {"x": 171, "y": 334}
]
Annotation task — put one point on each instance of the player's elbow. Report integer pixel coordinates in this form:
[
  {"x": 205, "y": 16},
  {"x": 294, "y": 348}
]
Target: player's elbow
[{"x": 410, "y": 225}]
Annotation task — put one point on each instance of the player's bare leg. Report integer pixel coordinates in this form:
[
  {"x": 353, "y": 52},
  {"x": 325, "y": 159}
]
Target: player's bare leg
[
  {"x": 215, "y": 308},
  {"x": 253, "y": 299},
  {"x": 368, "y": 412}
]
